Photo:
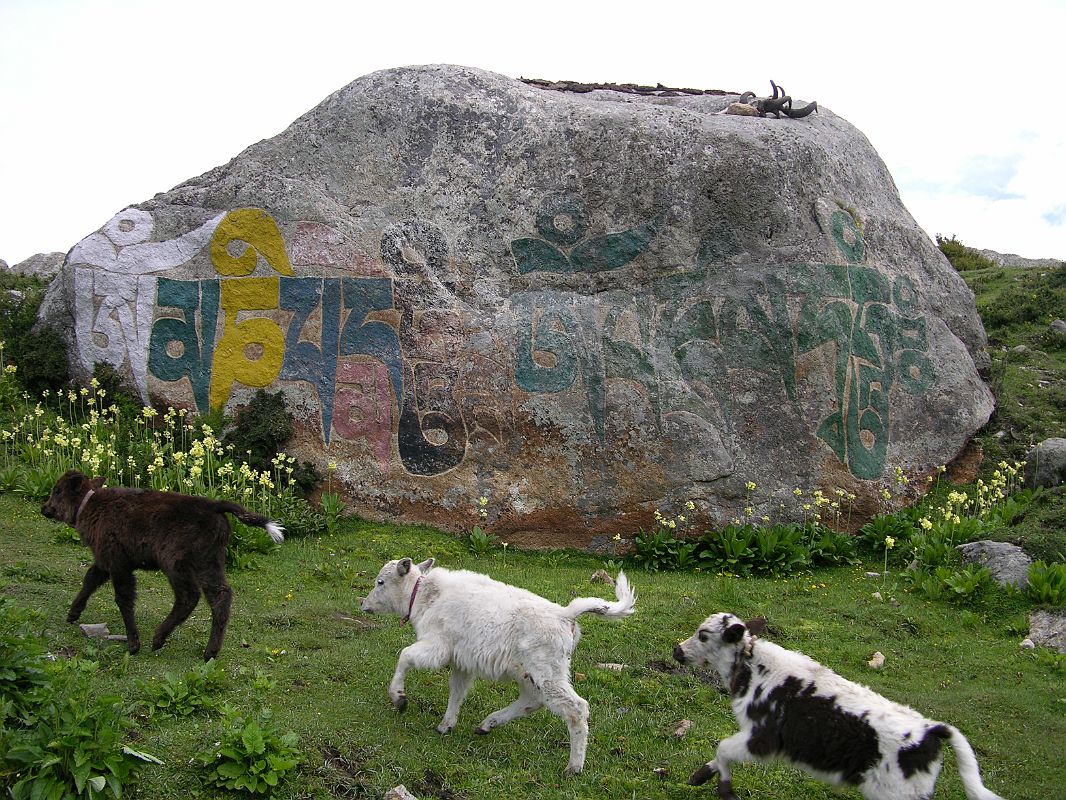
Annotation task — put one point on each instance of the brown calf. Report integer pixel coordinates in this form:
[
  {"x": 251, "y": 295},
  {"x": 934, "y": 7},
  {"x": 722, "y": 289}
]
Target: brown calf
[{"x": 128, "y": 529}]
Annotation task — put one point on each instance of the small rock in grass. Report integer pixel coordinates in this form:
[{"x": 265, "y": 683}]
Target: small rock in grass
[
  {"x": 601, "y": 576},
  {"x": 682, "y": 728},
  {"x": 877, "y": 660}
]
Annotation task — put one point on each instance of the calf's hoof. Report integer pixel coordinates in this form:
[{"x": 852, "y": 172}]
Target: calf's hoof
[
  {"x": 725, "y": 791},
  {"x": 73, "y": 617},
  {"x": 442, "y": 728},
  {"x": 134, "y": 646},
  {"x": 573, "y": 769},
  {"x": 399, "y": 702},
  {"x": 481, "y": 731},
  {"x": 702, "y": 775}
]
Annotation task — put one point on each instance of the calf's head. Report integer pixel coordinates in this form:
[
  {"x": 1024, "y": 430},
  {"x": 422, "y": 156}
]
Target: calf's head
[
  {"x": 392, "y": 588},
  {"x": 65, "y": 500},
  {"x": 717, "y": 640}
]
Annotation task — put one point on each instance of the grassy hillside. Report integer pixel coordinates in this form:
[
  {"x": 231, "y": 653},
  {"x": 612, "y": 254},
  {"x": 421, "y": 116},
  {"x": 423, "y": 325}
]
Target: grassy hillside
[
  {"x": 299, "y": 645},
  {"x": 1028, "y": 377}
]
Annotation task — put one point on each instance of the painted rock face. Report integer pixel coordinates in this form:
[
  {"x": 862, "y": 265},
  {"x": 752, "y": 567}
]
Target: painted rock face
[{"x": 585, "y": 308}]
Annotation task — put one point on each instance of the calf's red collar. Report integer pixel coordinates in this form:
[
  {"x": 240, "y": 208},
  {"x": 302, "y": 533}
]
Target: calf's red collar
[{"x": 411, "y": 603}]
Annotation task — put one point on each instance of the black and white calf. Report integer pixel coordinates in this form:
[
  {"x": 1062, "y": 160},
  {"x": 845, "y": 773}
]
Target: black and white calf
[
  {"x": 791, "y": 708},
  {"x": 487, "y": 629}
]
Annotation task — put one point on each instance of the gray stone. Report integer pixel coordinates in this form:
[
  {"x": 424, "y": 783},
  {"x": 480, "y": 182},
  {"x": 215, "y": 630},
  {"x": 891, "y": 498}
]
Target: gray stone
[
  {"x": 1012, "y": 260},
  {"x": 1045, "y": 464},
  {"x": 399, "y": 793},
  {"x": 43, "y": 265},
  {"x": 1057, "y": 329},
  {"x": 3, "y": 265},
  {"x": 582, "y": 306},
  {"x": 1007, "y": 562},
  {"x": 1048, "y": 628}
]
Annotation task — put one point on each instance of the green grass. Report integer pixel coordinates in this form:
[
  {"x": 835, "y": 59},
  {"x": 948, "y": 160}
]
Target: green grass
[
  {"x": 296, "y": 617},
  {"x": 1028, "y": 377}
]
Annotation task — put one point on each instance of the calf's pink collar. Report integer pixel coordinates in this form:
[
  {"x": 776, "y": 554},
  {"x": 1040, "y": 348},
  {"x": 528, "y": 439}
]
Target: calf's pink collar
[{"x": 81, "y": 507}]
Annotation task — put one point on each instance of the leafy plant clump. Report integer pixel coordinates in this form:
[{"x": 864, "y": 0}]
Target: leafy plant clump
[
  {"x": 181, "y": 695},
  {"x": 480, "y": 542},
  {"x": 1047, "y": 583},
  {"x": 65, "y": 741},
  {"x": 743, "y": 549},
  {"x": 252, "y": 756}
]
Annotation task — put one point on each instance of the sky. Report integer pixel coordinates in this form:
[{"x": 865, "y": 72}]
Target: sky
[{"x": 105, "y": 103}]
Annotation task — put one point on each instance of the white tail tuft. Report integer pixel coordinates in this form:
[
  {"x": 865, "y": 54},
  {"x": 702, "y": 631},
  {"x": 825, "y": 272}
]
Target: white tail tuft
[
  {"x": 622, "y": 607},
  {"x": 277, "y": 532}
]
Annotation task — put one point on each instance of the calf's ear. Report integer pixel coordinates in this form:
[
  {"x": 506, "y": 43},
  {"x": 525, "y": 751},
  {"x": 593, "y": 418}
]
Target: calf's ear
[
  {"x": 757, "y": 625},
  {"x": 426, "y": 565},
  {"x": 734, "y": 633},
  {"x": 403, "y": 567}
]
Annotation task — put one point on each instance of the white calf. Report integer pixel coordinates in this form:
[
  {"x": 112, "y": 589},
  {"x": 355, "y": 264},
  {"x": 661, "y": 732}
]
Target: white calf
[
  {"x": 487, "y": 629},
  {"x": 793, "y": 709}
]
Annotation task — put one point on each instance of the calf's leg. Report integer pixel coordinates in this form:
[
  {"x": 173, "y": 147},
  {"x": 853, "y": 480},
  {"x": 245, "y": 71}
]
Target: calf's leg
[
  {"x": 730, "y": 750},
  {"x": 219, "y": 598},
  {"x": 94, "y": 579},
  {"x": 529, "y": 700},
  {"x": 458, "y": 685},
  {"x": 423, "y": 654},
  {"x": 186, "y": 596},
  {"x": 563, "y": 701},
  {"x": 126, "y": 597}
]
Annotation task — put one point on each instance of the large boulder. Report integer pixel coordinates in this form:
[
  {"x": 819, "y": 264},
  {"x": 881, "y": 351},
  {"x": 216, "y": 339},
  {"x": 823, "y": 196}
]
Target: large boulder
[
  {"x": 43, "y": 265},
  {"x": 1045, "y": 464},
  {"x": 584, "y": 307},
  {"x": 1007, "y": 562}
]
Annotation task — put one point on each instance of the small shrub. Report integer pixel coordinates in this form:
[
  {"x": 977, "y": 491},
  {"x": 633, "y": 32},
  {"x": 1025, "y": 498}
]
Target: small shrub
[
  {"x": 655, "y": 550},
  {"x": 245, "y": 542},
  {"x": 252, "y": 756},
  {"x": 71, "y": 745},
  {"x": 873, "y": 534},
  {"x": 298, "y": 516},
  {"x": 932, "y": 549},
  {"x": 259, "y": 432},
  {"x": 42, "y": 361},
  {"x": 22, "y": 675},
  {"x": 1053, "y": 662},
  {"x": 36, "y": 484},
  {"x": 181, "y": 695},
  {"x": 332, "y": 506},
  {"x": 964, "y": 584},
  {"x": 729, "y": 550},
  {"x": 832, "y": 548},
  {"x": 929, "y": 585},
  {"x": 962, "y": 257},
  {"x": 779, "y": 549},
  {"x": 1047, "y": 583},
  {"x": 479, "y": 542}
]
